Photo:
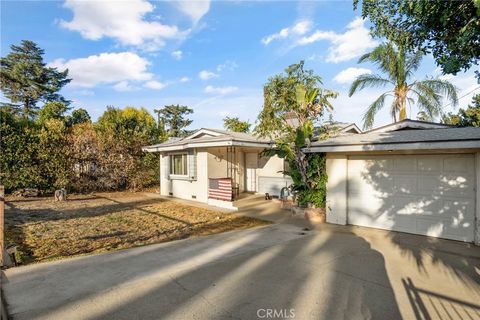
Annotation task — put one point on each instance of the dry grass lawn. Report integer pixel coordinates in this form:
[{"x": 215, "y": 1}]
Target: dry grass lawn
[{"x": 47, "y": 230}]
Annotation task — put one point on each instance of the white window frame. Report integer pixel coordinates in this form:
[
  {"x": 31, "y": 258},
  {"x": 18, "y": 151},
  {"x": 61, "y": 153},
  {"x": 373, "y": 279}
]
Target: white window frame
[{"x": 170, "y": 169}]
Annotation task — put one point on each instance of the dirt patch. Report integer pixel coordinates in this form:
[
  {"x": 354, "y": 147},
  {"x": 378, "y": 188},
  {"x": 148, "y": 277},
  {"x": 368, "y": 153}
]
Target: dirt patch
[{"x": 47, "y": 230}]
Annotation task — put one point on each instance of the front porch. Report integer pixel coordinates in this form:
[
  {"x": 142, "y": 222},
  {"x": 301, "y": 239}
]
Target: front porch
[{"x": 232, "y": 174}]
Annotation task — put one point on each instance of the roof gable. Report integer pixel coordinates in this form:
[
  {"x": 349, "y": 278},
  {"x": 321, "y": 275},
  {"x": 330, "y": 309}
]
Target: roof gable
[
  {"x": 409, "y": 124},
  {"x": 203, "y": 132},
  {"x": 351, "y": 128}
]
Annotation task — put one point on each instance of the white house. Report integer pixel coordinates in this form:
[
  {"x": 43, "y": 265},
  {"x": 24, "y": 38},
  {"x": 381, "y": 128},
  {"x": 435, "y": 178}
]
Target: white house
[
  {"x": 217, "y": 166},
  {"x": 411, "y": 176}
]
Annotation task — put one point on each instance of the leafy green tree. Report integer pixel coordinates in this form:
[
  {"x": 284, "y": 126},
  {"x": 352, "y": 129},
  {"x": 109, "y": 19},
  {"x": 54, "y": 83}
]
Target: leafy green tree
[
  {"x": 450, "y": 30},
  {"x": 18, "y": 156},
  {"x": 281, "y": 105},
  {"x": 51, "y": 155},
  {"x": 130, "y": 123},
  {"x": 25, "y": 79},
  {"x": 398, "y": 66},
  {"x": 52, "y": 110},
  {"x": 121, "y": 134},
  {"x": 293, "y": 103},
  {"x": 83, "y": 157},
  {"x": 423, "y": 116},
  {"x": 33, "y": 152},
  {"x": 236, "y": 125},
  {"x": 79, "y": 116},
  {"x": 469, "y": 117},
  {"x": 174, "y": 118}
]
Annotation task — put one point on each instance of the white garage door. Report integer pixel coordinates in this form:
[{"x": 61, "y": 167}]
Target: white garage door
[
  {"x": 273, "y": 185},
  {"x": 422, "y": 194}
]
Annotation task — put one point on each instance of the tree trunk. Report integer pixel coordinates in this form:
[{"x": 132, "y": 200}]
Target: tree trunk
[{"x": 402, "y": 103}]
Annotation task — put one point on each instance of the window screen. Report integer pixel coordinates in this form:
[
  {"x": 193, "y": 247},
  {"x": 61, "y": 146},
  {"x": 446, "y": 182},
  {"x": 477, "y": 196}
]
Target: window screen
[{"x": 178, "y": 164}]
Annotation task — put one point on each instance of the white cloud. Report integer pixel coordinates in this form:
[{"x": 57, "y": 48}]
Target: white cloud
[
  {"x": 155, "y": 85},
  {"x": 276, "y": 36},
  {"x": 302, "y": 27},
  {"x": 348, "y": 75},
  {"x": 205, "y": 75},
  {"x": 317, "y": 36},
  {"x": 123, "y": 21},
  {"x": 195, "y": 9},
  {"x": 177, "y": 55},
  {"x": 227, "y": 65},
  {"x": 123, "y": 86},
  {"x": 220, "y": 90},
  {"x": 105, "y": 68},
  {"x": 299, "y": 28},
  {"x": 345, "y": 46},
  {"x": 315, "y": 57},
  {"x": 184, "y": 79}
]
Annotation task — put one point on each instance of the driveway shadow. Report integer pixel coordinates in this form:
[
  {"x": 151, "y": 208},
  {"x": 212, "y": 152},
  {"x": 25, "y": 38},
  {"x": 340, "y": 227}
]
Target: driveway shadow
[{"x": 232, "y": 275}]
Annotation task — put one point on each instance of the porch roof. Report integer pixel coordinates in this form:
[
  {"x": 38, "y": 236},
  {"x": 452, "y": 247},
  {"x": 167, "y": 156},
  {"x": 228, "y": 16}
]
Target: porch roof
[{"x": 211, "y": 138}]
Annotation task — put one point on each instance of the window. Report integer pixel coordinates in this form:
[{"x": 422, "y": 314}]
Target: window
[{"x": 178, "y": 164}]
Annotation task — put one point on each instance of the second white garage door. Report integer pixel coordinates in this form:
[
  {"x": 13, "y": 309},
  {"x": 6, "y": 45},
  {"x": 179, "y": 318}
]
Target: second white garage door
[{"x": 422, "y": 194}]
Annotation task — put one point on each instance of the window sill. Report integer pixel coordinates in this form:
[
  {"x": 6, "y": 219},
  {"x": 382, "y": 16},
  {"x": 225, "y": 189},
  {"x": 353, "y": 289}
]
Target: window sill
[{"x": 178, "y": 177}]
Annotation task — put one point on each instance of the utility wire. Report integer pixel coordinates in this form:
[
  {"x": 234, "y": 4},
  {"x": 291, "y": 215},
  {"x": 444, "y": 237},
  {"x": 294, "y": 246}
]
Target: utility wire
[{"x": 466, "y": 94}]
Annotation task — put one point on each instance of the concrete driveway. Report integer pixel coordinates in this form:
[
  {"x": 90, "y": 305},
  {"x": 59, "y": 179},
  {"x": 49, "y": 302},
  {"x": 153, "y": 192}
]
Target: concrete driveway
[{"x": 278, "y": 271}]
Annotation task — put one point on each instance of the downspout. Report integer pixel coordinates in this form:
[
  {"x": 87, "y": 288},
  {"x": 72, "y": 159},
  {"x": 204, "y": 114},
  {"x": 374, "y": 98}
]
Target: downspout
[{"x": 159, "y": 173}]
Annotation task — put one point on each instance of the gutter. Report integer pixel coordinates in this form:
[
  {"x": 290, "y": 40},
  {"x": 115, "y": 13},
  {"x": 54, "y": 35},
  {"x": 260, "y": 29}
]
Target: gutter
[
  {"x": 385, "y": 146},
  {"x": 212, "y": 144}
]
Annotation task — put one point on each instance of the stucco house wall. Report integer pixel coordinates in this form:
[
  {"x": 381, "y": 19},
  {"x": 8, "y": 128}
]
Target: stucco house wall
[
  {"x": 183, "y": 187},
  {"x": 212, "y": 163},
  {"x": 270, "y": 167},
  {"x": 217, "y": 163},
  {"x": 477, "y": 209},
  {"x": 336, "y": 201}
]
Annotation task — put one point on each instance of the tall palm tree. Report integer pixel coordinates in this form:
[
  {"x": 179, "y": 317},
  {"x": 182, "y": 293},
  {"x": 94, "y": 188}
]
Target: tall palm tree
[{"x": 398, "y": 66}]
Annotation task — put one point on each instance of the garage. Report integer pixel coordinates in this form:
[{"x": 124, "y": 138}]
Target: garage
[
  {"x": 273, "y": 185},
  {"x": 431, "y": 195},
  {"x": 410, "y": 176}
]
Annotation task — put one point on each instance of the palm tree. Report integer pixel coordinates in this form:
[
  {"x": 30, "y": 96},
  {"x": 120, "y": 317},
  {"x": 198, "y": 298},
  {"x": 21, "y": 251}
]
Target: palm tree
[
  {"x": 398, "y": 66},
  {"x": 423, "y": 116}
]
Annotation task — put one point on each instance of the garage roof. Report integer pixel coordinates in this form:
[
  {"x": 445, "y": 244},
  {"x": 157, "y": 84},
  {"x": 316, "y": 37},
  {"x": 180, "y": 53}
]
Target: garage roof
[{"x": 447, "y": 138}]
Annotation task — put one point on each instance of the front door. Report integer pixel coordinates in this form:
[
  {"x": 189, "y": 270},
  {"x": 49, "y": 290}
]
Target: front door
[{"x": 251, "y": 163}]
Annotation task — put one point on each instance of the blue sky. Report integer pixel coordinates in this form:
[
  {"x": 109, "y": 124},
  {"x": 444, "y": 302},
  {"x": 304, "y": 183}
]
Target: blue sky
[{"x": 212, "y": 56}]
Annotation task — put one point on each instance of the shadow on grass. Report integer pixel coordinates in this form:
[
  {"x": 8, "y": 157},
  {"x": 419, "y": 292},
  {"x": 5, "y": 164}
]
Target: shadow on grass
[{"x": 119, "y": 237}]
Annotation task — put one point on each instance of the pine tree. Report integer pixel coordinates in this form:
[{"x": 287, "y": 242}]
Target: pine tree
[{"x": 26, "y": 80}]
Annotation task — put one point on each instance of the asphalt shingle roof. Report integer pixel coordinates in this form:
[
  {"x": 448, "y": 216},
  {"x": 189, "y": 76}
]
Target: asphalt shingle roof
[
  {"x": 224, "y": 136},
  {"x": 403, "y": 136}
]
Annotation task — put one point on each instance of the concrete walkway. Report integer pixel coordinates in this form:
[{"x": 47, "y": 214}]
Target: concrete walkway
[{"x": 328, "y": 272}]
